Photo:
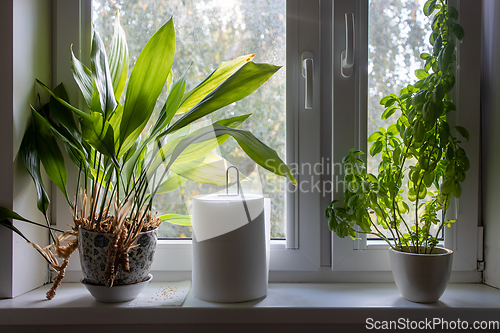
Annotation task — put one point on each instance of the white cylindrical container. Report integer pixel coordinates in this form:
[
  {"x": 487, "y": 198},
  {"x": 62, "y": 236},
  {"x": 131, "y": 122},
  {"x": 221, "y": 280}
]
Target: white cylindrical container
[{"x": 229, "y": 248}]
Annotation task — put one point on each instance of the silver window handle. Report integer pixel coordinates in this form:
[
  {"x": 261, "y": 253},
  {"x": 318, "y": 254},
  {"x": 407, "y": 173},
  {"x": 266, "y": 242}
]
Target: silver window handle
[
  {"x": 307, "y": 73},
  {"x": 347, "y": 55}
]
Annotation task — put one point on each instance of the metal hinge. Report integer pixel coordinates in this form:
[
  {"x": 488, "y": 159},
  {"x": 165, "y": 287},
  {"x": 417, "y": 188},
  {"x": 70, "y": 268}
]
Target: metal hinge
[
  {"x": 480, "y": 266},
  {"x": 480, "y": 258}
]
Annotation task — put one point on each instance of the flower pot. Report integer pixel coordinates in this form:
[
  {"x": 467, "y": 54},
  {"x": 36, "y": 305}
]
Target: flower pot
[
  {"x": 94, "y": 248},
  {"x": 421, "y": 278},
  {"x": 123, "y": 293}
]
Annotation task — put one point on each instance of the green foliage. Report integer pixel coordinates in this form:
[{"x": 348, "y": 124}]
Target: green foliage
[
  {"x": 418, "y": 150},
  {"x": 125, "y": 154}
]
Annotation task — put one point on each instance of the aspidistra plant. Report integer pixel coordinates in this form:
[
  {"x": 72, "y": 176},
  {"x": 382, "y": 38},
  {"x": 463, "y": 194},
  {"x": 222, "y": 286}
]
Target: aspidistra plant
[
  {"x": 127, "y": 153},
  {"x": 419, "y": 150}
]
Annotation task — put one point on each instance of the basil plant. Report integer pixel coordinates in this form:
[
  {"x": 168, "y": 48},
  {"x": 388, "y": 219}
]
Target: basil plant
[
  {"x": 421, "y": 155},
  {"x": 127, "y": 153}
]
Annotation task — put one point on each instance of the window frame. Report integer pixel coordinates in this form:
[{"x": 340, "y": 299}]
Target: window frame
[{"x": 311, "y": 252}]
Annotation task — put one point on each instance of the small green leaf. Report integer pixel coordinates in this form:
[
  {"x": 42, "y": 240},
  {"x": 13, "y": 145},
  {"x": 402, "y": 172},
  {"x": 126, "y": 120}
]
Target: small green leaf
[
  {"x": 463, "y": 132},
  {"x": 388, "y": 112},
  {"x": 421, "y": 74},
  {"x": 425, "y": 56},
  {"x": 418, "y": 131},
  {"x": 429, "y": 7},
  {"x": 437, "y": 45},
  {"x": 374, "y": 136},
  {"x": 419, "y": 98},
  {"x": 458, "y": 31}
]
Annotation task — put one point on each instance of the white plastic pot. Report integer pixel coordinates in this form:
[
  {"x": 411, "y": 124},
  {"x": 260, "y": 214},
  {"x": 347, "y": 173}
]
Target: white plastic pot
[{"x": 421, "y": 278}]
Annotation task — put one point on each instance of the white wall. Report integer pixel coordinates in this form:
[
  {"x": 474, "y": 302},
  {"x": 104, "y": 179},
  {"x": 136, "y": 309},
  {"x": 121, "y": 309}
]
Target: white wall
[
  {"x": 26, "y": 55},
  {"x": 491, "y": 140}
]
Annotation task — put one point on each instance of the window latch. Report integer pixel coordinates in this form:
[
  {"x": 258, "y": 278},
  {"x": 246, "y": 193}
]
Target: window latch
[
  {"x": 347, "y": 56},
  {"x": 307, "y": 73}
]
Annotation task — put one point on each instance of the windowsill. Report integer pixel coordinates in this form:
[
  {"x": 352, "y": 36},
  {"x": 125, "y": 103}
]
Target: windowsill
[{"x": 286, "y": 303}]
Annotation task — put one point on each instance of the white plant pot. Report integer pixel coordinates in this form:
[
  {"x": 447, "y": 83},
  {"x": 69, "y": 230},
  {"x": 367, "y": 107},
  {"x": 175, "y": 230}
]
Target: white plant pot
[{"x": 421, "y": 278}]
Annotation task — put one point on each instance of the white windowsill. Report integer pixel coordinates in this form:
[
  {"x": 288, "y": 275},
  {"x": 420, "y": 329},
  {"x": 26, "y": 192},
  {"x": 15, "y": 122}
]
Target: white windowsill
[{"x": 344, "y": 304}]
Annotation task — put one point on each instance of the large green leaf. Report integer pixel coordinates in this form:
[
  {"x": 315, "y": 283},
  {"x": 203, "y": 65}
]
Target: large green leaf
[
  {"x": 99, "y": 134},
  {"x": 83, "y": 77},
  {"x": 146, "y": 83},
  {"x": 102, "y": 77},
  {"x": 61, "y": 113},
  {"x": 241, "y": 84},
  {"x": 253, "y": 147},
  {"x": 210, "y": 169},
  {"x": 184, "y": 220},
  {"x": 118, "y": 59},
  {"x": 31, "y": 161},
  {"x": 6, "y": 214},
  {"x": 80, "y": 113},
  {"x": 171, "y": 105},
  {"x": 172, "y": 183},
  {"x": 49, "y": 152},
  {"x": 221, "y": 74}
]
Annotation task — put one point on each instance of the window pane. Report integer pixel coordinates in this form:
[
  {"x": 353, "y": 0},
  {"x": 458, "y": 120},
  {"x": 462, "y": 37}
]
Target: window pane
[
  {"x": 207, "y": 33},
  {"x": 397, "y": 34}
]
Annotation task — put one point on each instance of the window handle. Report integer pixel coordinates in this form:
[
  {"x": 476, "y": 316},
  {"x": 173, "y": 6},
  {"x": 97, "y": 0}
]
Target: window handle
[
  {"x": 307, "y": 73},
  {"x": 347, "y": 55}
]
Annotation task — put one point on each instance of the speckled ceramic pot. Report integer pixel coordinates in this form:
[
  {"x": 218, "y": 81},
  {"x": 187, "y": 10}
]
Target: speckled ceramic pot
[{"x": 94, "y": 248}]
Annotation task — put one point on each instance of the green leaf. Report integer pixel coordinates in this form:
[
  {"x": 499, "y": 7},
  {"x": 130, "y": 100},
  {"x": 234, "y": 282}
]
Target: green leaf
[
  {"x": 241, "y": 84},
  {"x": 210, "y": 169},
  {"x": 374, "y": 136},
  {"x": 184, "y": 220},
  {"x": 83, "y": 78},
  {"x": 211, "y": 82},
  {"x": 444, "y": 57},
  {"x": 31, "y": 161},
  {"x": 49, "y": 152},
  {"x": 172, "y": 183},
  {"x": 388, "y": 112},
  {"x": 448, "y": 186},
  {"x": 390, "y": 102},
  {"x": 171, "y": 105},
  {"x": 146, "y": 83},
  {"x": 101, "y": 76},
  {"x": 118, "y": 59},
  {"x": 457, "y": 190},
  {"x": 61, "y": 113},
  {"x": 80, "y": 113},
  {"x": 376, "y": 148},
  {"x": 429, "y": 7},
  {"x": 393, "y": 130},
  {"x": 458, "y": 31},
  {"x": 253, "y": 147},
  {"x": 463, "y": 132},
  {"x": 419, "y": 98},
  {"x": 99, "y": 134},
  {"x": 421, "y": 74},
  {"x": 425, "y": 56},
  {"x": 418, "y": 131},
  {"x": 6, "y": 214},
  {"x": 452, "y": 12},
  {"x": 438, "y": 43}
]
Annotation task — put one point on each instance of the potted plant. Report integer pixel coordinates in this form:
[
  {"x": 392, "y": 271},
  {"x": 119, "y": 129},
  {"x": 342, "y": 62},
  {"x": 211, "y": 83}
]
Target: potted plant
[
  {"x": 422, "y": 166},
  {"x": 126, "y": 153}
]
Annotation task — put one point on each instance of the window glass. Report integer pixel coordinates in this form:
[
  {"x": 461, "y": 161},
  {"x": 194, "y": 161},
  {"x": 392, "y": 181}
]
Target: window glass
[{"x": 207, "y": 33}]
